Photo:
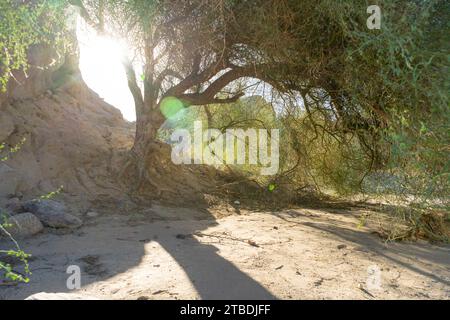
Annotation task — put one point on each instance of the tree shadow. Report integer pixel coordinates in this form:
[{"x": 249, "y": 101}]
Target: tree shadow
[
  {"x": 107, "y": 250},
  {"x": 213, "y": 276},
  {"x": 395, "y": 252}
]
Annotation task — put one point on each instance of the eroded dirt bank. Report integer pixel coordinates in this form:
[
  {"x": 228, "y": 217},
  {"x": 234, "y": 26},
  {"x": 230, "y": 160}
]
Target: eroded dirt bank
[{"x": 292, "y": 254}]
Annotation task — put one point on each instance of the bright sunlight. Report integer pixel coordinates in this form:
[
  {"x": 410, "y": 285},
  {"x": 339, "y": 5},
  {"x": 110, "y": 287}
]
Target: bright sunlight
[{"x": 101, "y": 68}]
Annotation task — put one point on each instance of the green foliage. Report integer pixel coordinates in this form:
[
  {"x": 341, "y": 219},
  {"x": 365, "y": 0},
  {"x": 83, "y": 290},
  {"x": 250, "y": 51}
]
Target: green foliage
[
  {"x": 6, "y": 154},
  {"x": 23, "y": 24},
  {"x": 17, "y": 254},
  {"x": 9, "y": 272},
  {"x": 52, "y": 194}
]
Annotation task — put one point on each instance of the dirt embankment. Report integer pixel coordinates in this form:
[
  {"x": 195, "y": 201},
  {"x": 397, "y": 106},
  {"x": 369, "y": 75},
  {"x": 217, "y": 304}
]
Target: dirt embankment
[{"x": 72, "y": 139}]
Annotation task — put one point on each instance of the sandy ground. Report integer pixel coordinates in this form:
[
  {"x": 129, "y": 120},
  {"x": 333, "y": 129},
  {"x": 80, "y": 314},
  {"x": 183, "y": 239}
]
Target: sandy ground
[{"x": 293, "y": 254}]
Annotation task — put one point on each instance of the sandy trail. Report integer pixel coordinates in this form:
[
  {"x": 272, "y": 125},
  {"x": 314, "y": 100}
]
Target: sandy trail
[{"x": 293, "y": 254}]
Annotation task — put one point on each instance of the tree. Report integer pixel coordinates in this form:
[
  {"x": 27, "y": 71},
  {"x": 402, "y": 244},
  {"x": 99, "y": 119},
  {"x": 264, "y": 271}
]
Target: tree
[
  {"x": 193, "y": 51},
  {"x": 318, "y": 54}
]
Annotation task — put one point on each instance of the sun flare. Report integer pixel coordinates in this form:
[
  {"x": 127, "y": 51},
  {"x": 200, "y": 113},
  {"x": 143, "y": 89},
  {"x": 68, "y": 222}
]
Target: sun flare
[{"x": 101, "y": 67}]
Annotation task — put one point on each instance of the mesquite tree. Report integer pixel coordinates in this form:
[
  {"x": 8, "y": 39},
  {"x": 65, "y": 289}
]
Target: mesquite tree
[
  {"x": 380, "y": 85},
  {"x": 196, "y": 51}
]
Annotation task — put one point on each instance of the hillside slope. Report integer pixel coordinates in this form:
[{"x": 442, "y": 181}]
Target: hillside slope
[{"x": 71, "y": 138}]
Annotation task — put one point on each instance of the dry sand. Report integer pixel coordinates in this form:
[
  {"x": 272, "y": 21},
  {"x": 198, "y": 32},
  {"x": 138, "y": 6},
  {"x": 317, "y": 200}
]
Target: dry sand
[{"x": 292, "y": 254}]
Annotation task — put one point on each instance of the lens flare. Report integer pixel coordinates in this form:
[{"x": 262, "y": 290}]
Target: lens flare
[{"x": 170, "y": 106}]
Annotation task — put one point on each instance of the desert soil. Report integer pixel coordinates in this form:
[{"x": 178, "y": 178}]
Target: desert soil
[{"x": 174, "y": 253}]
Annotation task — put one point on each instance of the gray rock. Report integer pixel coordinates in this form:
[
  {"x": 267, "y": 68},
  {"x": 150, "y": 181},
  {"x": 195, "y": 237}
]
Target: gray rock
[
  {"x": 52, "y": 214},
  {"x": 14, "y": 206},
  {"x": 23, "y": 225}
]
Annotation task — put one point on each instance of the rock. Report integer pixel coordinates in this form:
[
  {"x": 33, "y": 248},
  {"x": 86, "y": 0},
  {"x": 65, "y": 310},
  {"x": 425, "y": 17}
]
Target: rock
[
  {"x": 52, "y": 214},
  {"x": 237, "y": 202},
  {"x": 24, "y": 225},
  {"x": 18, "y": 195},
  {"x": 14, "y": 206},
  {"x": 341, "y": 246},
  {"x": 60, "y": 296},
  {"x": 92, "y": 214}
]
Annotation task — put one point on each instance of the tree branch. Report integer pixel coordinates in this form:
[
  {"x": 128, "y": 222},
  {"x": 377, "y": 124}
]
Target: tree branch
[
  {"x": 133, "y": 86},
  {"x": 208, "y": 96},
  {"x": 196, "y": 99},
  {"x": 194, "y": 78},
  {"x": 167, "y": 73},
  {"x": 87, "y": 17}
]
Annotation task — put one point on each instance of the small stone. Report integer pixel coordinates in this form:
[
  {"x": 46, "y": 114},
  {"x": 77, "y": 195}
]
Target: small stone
[
  {"x": 23, "y": 225},
  {"x": 341, "y": 246},
  {"x": 252, "y": 243},
  {"x": 92, "y": 214},
  {"x": 237, "y": 202}
]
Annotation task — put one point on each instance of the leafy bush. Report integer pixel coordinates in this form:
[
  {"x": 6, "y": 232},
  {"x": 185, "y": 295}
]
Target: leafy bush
[{"x": 23, "y": 24}]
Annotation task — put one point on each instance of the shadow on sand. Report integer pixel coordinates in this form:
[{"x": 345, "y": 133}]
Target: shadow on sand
[{"x": 109, "y": 247}]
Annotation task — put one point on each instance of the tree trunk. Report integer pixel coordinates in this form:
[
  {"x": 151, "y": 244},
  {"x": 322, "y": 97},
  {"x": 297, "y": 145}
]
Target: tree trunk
[
  {"x": 147, "y": 124},
  {"x": 148, "y": 121}
]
